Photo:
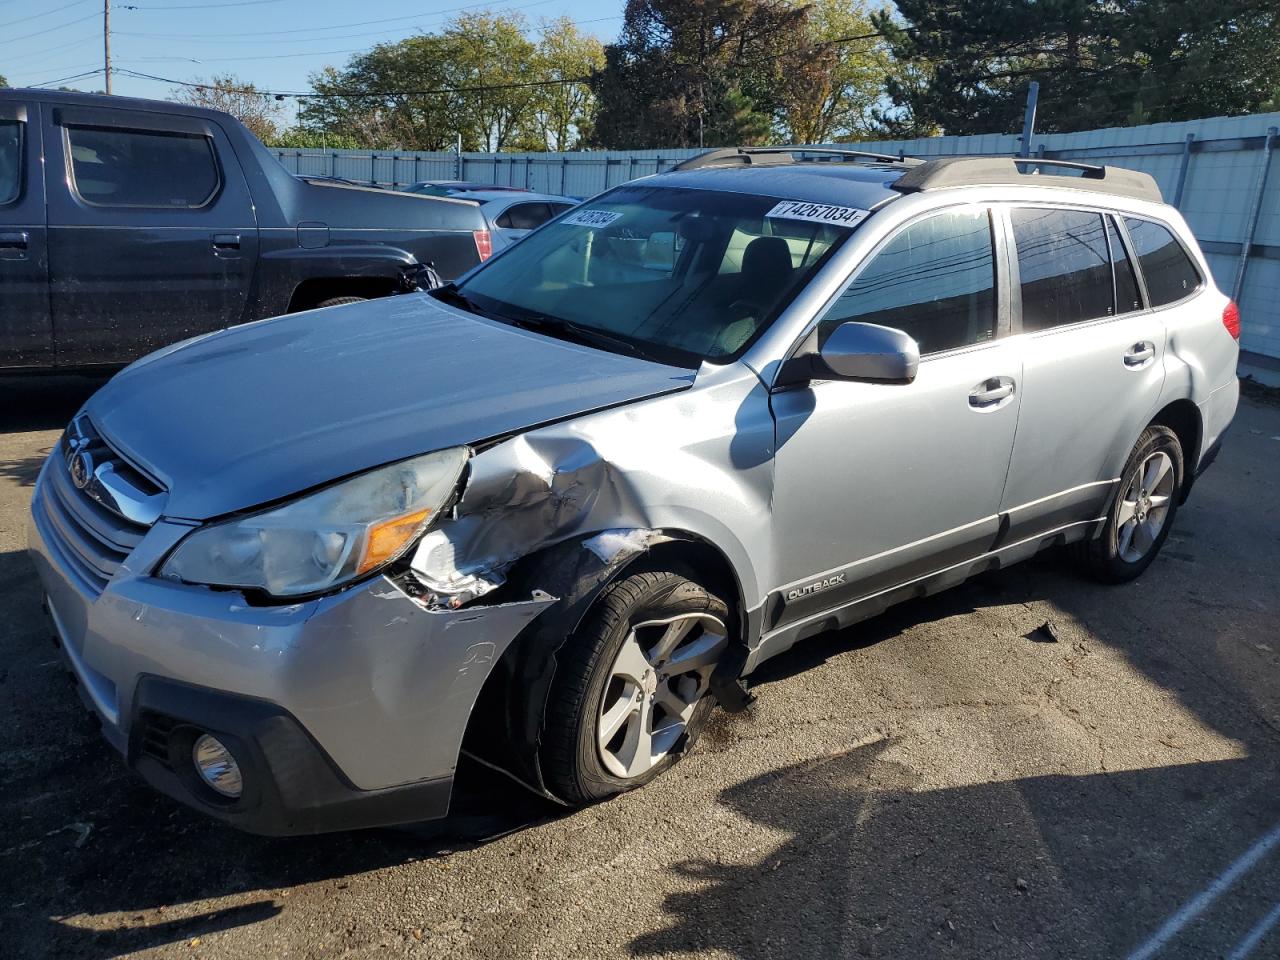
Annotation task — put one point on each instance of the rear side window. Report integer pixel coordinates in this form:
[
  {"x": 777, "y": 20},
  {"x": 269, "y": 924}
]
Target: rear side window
[
  {"x": 1169, "y": 272},
  {"x": 10, "y": 160},
  {"x": 134, "y": 168},
  {"x": 1127, "y": 297},
  {"x": 1064, "y": 267},
  {"x": 935, "y": 280},
  {"x": 525, "y": 216}
]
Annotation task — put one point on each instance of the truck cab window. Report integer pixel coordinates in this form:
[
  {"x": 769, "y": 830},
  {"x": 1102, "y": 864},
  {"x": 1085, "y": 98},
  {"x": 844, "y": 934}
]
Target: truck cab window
[
  {"x": 134, "y": 168},
  {"x": 10, "y": 160}
]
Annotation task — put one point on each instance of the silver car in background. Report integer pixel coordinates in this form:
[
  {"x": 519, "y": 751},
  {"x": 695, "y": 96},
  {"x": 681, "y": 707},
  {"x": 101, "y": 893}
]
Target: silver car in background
[{"x": 553, "y": 513}]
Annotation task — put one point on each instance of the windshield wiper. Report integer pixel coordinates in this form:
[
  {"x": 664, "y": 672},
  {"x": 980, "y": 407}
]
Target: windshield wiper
[
  {"x": 583, "y": 334},
  {"x": 449, "y": 293}
]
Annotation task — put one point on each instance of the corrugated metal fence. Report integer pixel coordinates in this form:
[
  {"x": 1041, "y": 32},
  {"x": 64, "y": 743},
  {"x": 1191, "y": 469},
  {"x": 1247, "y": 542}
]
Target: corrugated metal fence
[{"x": 1219, "y": 172}]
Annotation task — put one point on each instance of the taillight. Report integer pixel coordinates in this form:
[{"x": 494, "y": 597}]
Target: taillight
[
  {"x": 1231, "y": 318},
  {"x": 484, "y": 243}
]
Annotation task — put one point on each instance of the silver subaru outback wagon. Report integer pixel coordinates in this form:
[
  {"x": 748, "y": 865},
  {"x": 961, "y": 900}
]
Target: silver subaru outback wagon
[{"x": 552, "y": 513}]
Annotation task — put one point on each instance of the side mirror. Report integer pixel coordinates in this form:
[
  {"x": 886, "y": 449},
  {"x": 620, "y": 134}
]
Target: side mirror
[{"x": 866, "y": 351}]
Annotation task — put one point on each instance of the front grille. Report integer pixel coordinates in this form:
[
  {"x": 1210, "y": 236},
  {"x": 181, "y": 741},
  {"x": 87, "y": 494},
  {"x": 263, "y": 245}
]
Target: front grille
[{"x": 84, "y": 519}]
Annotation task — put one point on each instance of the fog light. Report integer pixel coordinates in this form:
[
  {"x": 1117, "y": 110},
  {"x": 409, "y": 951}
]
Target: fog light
[{"x": 216, "y": 766}]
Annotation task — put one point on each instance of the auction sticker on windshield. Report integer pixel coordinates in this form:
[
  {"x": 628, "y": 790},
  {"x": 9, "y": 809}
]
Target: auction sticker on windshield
[
  {"x": 591, "y": 218},
  {"x": 817, "y": 213}
]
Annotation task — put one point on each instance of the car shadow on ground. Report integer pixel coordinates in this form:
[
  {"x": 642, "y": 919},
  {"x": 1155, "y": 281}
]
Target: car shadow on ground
[
  {"x": 1025, "y": 866},
  {"x": 43, "y": 401}
]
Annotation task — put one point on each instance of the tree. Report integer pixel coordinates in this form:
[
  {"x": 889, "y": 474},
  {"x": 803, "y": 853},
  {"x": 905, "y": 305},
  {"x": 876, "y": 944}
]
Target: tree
[
  {"x": 698, "y": 72},
  {"x": 492, "y": 58},
  {"x": 839, "y": 83},
  {"x": 563, "y": 111},
  {"x": 368, "y": 99},
  {"x": 1098, "y": 62},
  {"x": 300, "y": 138},
  {"x": 255, "y": 109},
  {"x": 475, "y": 81}
]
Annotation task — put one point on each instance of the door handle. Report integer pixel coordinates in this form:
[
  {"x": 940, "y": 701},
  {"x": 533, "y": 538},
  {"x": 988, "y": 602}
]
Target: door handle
[
  {"x": 13, "y": 246},
  {"x": 226, "y": 241},
  {"x": 1139, "y": 354},
  {"x": 991, "y": 393}
]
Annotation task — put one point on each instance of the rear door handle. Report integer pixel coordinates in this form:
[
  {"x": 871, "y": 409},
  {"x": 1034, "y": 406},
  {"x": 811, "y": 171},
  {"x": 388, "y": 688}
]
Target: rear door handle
[
  {"x": 1139, "y": 354},
  {"x": 991, "y": 394},
  {"x": 226, "y": 242},
  {"x": 13, "y": 246}
]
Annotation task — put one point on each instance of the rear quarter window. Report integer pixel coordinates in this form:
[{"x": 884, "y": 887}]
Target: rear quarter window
[{"x": 1168, "y": 269}]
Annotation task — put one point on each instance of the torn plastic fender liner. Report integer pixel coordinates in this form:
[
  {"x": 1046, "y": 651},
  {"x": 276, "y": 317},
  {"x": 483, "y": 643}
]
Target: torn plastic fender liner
[{"x": 575, "y": 571}]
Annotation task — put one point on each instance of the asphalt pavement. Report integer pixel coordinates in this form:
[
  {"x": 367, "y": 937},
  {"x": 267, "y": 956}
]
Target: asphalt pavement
[{"x": 949, "y": 780}]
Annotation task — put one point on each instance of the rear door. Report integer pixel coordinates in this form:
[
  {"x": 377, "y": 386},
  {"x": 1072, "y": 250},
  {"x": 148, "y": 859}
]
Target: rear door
[
  {"x": 26, "y": 338},
  {"x": 152, "y": 231},
  {"x": 1093, "y": 365}
]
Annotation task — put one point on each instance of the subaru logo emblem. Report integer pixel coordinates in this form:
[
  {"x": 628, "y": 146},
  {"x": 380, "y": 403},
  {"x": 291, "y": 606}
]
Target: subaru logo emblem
[{"x": 81, "y": 469}]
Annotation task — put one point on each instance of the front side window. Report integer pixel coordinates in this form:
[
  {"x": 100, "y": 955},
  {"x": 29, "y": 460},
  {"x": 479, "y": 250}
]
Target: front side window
[
  {"x": 674, "y": 274},
  {"x": 134, "y": 168},
  {"x": 1169, "y": 272},
  {"x": 1064, "y": 266},
  {"x": 10, "y": 160},
  {"x": 935, "y": 280}
]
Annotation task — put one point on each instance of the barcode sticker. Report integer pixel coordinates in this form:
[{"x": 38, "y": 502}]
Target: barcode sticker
[
  {"x": 817, "y": 213},
  {"x": 591, "y": 218}
]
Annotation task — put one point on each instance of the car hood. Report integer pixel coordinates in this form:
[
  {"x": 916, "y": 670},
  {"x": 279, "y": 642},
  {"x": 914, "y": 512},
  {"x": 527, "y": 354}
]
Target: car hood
[{"x": 255, "y": 413}]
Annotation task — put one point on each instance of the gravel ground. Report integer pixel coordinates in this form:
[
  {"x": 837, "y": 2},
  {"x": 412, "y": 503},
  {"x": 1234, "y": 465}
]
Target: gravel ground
[{"x": 945, "y": 781}]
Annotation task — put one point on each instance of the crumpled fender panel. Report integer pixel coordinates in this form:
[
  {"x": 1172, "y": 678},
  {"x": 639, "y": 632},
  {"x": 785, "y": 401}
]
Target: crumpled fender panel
[{"x": 565, "y": 508}]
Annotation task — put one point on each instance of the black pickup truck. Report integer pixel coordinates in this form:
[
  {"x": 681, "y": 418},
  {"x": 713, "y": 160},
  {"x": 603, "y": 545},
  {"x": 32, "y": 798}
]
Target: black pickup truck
[{"x": 127, "y": 224}]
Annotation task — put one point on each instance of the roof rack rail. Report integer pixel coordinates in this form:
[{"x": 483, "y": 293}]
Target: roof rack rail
[
  {"x": 942, "y": 172},
  {"x": 773, "y": 156}
]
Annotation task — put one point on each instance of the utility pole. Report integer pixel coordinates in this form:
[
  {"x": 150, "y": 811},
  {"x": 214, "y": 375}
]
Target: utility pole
[
  {"x": 106, "y": 42},
  {"x": 1029, "y": 121}
]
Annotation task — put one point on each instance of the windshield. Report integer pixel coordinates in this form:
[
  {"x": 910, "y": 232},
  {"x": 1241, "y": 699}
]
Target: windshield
[{"x": 677, "y": 275}]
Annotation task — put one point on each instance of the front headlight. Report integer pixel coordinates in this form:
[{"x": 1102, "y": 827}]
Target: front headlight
[{"x": 326, "y": 538}]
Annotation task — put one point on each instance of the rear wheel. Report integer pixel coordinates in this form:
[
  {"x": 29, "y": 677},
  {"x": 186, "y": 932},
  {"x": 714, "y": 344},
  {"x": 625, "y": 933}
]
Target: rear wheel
[
  {"x": 632, "y": 689},
  {"x": 339, "y": 301},
  {"x": 1143, "y": 510}
]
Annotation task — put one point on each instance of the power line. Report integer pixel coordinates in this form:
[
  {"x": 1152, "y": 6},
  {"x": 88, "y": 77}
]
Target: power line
[
  {"x": 202, "y": 6},
  {"x": 77, "y": 76},
  {"x": 235, "y": 37},
  {"x": 46, "y": 13},
  {"x": 61, "y": 26},
  {"x": 477, "y": 88}
]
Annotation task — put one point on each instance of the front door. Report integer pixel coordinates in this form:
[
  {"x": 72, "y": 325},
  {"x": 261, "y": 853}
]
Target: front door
[
  {"x": 26, "y": 337},
  {"x": 152, "y": 231},
  {"x": 1093, "y": 367},
  {"x": 879, "y": 484}
]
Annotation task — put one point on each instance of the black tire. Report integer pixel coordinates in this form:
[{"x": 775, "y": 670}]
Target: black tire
[
  {"x": 1101, "y": 558},
  {"x": 571, "y": 760},
  {"x": 339, "y": 301}
]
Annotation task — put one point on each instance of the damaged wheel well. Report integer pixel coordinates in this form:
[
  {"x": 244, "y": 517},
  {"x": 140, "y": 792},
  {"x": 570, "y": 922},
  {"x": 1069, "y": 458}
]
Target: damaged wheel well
[{"x": 504, "y": 729}]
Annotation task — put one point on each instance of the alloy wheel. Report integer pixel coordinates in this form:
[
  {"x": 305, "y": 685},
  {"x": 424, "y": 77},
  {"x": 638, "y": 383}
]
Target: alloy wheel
[
  {"x": 1144, "y": 507},
  {"x": 660, "y": 673}
]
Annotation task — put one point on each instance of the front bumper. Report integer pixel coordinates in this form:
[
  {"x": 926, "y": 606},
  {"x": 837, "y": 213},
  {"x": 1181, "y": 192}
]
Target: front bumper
[{"x": 336, "y": 704}]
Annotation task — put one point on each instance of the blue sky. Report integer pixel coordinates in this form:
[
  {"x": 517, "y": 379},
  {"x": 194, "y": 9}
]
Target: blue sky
[{"x": 274, "y": 44}]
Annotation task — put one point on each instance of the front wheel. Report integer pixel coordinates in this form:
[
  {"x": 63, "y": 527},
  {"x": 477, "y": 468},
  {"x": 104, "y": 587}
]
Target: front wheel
[
  {"x": 632, "y": 689},
  {"x": 1142, "y": 512}
]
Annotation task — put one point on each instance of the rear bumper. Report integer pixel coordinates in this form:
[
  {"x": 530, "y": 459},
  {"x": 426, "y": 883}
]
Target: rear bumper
[{"x": 348, "y": 710}]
